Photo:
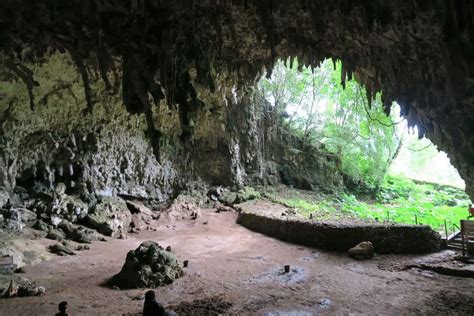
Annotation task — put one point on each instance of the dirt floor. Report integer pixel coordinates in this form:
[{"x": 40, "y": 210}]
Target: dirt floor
[{"x": 235, "y": 271}]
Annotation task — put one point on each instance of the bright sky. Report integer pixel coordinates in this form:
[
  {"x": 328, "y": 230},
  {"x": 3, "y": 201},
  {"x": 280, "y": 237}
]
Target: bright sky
[{"x": 421, "y": 160}]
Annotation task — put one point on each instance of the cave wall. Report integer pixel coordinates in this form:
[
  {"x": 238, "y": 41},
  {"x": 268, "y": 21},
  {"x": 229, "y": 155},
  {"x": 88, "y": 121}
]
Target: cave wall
[
  {"x": 236, "y": 141},
  {"x": 419, "y": 53},
  {"x": 106, "y": 153}
]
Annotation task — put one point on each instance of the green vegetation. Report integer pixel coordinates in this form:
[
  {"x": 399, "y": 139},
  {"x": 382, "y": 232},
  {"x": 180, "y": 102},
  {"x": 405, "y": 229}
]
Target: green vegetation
[
  {"x": 399, "y": 200},
  {"x": 340, "y": 118},
  {"x": 246, "y": 194}
]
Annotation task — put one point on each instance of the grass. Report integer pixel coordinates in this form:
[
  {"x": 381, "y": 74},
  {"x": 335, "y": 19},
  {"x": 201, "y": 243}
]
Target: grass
[{"x": 399, "y": 200}]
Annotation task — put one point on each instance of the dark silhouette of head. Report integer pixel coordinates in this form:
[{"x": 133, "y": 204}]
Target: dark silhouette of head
[
  {"x": 62, "y": 307},
  {"x": 150, "y": 295}
]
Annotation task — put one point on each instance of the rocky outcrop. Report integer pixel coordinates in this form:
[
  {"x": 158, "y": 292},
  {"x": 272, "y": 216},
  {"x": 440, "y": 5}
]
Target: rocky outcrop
[
  {"x": 417, "y": 52},
  {"x": 142, "y": 216},
  {"x": 110, "y": 217},
  {"x": 148, "y": 266}
]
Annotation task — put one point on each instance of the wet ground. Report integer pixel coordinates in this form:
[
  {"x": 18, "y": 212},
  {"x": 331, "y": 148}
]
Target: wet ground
[{"x": 233, "y": 270}]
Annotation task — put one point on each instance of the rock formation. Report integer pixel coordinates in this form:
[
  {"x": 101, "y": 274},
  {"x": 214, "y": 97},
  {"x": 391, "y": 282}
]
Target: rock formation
[
  {"x": 148, "y": 266},
  {"x": 144, "y": 99}
]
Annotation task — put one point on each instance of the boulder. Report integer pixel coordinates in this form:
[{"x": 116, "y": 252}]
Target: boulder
[
  {"x": 60, "y": 189},
  {"x": 27, "y": 216},
  {"x": 139, "y": 208},
  {"x": 41, "y": 225},
  {"x": 363, "y": 250},
  {"x": 78, "y": 233},
  {"x": 182, "y": 209},
  {"x": 110, "y": 217},
  {"x": 23, "y": 250},
  {"x": 55, "y": 234},
  {"x": 222, "y": 208},
  {"x": 142, "y": 216},
  {"x": 4, "y": 198},
  {"x": 21, "y": 287},
  {"x": 61, "y": 250},
  {"x": 68, "y": 207},
  {"x": 148, "y": 266},
  {"x": 18, "y": 218}
]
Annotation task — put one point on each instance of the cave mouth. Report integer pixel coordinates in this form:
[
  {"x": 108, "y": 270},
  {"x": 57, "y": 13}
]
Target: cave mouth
[
  {"x": 161, "y": 96},
  {"x": 390, "y": 171}
]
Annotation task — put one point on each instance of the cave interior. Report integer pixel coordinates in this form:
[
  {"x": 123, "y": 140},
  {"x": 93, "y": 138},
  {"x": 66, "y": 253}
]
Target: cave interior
[{"x": 108, "y": 106}]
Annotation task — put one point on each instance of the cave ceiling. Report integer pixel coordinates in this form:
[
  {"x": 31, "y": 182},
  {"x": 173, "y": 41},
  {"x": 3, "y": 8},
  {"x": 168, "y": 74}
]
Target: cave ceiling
[{"x": 419, "y": 53}]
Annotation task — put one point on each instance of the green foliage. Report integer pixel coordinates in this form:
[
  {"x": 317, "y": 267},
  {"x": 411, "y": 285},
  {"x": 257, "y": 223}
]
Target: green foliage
[
  {"x": 246, "y": 194},
  {"x": 404, "y": 201},
  {"x": 321, "y": 111},
  {"x": 400, "y": 200}
]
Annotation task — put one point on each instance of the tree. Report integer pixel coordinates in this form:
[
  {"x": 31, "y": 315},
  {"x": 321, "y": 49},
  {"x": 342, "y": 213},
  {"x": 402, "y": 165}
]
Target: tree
[{"x": 321, "y": 111}]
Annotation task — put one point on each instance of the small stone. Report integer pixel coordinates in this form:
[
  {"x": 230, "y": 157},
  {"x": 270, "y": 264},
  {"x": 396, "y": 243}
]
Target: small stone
[
  {"x": 41, "y": 290},
  {"x": 196, "y": 214},
  {"x": 20, "y": 270},
  {"x": 60, "y": 189},
  {"x": 222, "y": 208},
  {"x": 325, "y": 303},
  {"x": 82, "y": 247},
  {"x": 138, "y": 297}
]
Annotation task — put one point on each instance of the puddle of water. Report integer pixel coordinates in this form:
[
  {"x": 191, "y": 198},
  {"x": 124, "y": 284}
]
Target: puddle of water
[
  {"x": 296, "y": 275},
  {"x": 288, "y": 313}
]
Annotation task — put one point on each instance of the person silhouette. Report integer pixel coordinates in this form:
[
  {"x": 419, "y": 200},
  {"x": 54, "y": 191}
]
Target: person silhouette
[
  {"x": 62, "y": 309},
  {"x": 151, "y": 306}
]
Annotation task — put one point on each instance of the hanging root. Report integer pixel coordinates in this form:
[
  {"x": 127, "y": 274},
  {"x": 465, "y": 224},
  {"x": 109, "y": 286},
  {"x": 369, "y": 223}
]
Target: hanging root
[
  {"x": 103, "y": 68},
  {"x": 139, "y": 85},
  {"x": 26, "y": 75},
  {"x": 79, "y": 61}
]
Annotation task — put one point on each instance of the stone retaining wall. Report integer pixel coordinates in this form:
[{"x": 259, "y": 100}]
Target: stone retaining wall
[{"x": 386, "y": 238}]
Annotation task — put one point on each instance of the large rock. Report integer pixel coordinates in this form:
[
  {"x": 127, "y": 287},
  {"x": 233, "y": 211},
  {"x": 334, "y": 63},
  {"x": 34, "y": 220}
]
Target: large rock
[
  {"x": 363, "y": 250},
  {"x": 23, "y": 251},
  {"x": 19, "y": 287},
  {"x": 18, "y": 218},
  {"x": 78, "y": 233},
  {"x": 68, "y": 207},
  {"x": 110, "y": 217},
  {"x": 4, "y": 198},
  {"x": 148, "y": 266},
  {"x": 142, "y": 216},
  {"x": 183, "y": 207},
  {"x": 55, "y": 234},
  {"x": 61, "y": 250}
]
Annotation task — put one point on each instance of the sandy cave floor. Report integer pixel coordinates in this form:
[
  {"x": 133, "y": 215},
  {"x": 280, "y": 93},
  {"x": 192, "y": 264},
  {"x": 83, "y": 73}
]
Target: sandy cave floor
[{"x": 239, "y": 271}]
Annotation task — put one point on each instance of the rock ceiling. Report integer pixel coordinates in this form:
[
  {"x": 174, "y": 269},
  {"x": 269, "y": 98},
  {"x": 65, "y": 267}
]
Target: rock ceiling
[{"x": 419, "y": 53}]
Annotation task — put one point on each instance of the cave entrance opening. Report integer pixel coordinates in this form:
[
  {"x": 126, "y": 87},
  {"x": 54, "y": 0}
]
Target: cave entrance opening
[{"x": 389, "y": 173}]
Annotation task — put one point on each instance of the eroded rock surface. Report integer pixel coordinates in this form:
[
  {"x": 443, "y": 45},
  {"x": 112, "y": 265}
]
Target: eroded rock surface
[
  {"x": 417, "y": 52},
  {"x": 148, "y": 266},
  {"x": 110, "y": 217}
]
